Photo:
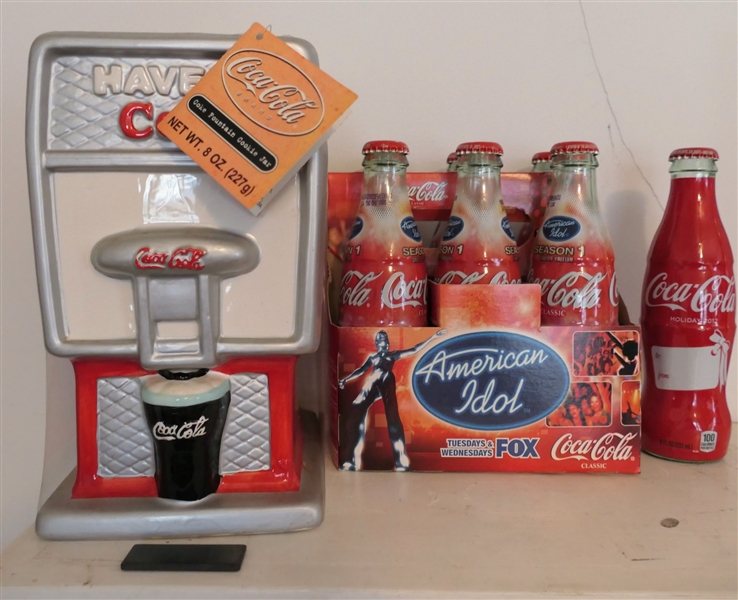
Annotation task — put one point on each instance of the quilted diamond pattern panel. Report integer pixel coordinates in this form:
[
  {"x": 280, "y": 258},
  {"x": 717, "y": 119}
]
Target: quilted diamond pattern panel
[
  {"x": 123, "y": 444},
  {"x": 245, "y": 445},
  {"x": 82, "y": 120}
]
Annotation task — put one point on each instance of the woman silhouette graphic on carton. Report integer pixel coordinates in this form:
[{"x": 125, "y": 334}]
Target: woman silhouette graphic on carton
[{"x": 379, "y": 383}]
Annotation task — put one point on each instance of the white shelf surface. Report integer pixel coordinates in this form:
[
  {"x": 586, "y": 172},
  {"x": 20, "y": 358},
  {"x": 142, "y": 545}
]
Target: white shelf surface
[{"x": 449, "y": 535}]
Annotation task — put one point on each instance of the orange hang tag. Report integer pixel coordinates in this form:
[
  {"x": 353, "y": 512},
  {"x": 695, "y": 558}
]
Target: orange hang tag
[{"x": 257, "y": 116}]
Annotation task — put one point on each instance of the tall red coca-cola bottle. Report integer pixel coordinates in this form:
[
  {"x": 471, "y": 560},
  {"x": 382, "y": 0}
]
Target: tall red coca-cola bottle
[
  {"x": 688, "y": 318},
  {"x": 478, "y": 245},
  {"x": 573, "y": 260},
  {"x": 384, "y": 276}
]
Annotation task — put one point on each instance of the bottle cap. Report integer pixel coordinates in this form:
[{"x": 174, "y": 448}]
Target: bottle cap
[
  {"x": 694, "y": 153},
  {"x": 541, "y": 157},
  {"x": 479, "y": 148},
  {"x": 384, "y": 146},
  {"x": 451, "y": 158},
  {"x": 574, "y": 148}
]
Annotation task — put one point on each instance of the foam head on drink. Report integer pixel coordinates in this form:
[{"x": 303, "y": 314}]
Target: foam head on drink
[
  {"x": 478, "y": 245},
  {"x": 573, "y": 260},
  {"x": 688, "y": 318},
  {"x": 384, "y": 273}
]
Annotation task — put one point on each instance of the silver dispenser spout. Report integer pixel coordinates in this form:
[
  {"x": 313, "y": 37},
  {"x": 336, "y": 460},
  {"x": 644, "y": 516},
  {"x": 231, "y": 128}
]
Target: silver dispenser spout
[{"x": 176, "y": 273}]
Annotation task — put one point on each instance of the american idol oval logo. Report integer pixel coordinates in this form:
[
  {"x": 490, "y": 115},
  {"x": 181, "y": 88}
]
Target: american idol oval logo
[
  {"x": 410, "y": 228},
  {"x": 356, "y": 229},
  {"x": 507, "y": 229},
  {"x": 454, "y": 228},
  {"x": 490, "y": 380},
  {"x": 560, "y": 229}
]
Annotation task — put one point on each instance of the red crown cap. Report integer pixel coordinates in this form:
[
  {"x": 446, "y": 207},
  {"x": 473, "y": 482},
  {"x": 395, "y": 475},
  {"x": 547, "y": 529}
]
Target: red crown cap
[
  {"x": 541, "y": 157},
  {"x": 384, "y": 146},
  {"x": 574, "y": 148},
  {"x": 479, "y": 148},
  {"x": 451, "y": 158},
  {"x": 694, "y": 153}
]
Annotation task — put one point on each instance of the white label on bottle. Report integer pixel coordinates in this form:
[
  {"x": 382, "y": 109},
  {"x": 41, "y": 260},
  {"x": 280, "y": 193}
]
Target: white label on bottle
[
  {"x": 685, "y": 369},
  {"x": 708, "y": 441}
]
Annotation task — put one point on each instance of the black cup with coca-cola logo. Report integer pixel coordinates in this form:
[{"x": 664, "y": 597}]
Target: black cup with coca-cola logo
[{"x": 186, "y": 414}]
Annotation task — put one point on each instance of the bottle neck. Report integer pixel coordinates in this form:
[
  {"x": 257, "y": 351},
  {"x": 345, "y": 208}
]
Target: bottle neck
[
  {"x": 480, "y": 185},
  {"x": 693, "y": 168},
  {"x": 385, "y": 179},
  {"x": 693, "y": 195},
  {"x": 574, "y": 184},
  {"x": 478, "y": 180},
  {"x": 692, "y": 188}
]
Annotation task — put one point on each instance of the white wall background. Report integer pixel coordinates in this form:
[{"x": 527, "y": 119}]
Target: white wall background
[{"x": 639, "y": 79}]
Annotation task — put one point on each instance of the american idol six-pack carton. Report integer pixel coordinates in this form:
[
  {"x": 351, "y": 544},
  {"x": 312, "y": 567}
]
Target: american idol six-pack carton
[{"x": 484, "y": 387}]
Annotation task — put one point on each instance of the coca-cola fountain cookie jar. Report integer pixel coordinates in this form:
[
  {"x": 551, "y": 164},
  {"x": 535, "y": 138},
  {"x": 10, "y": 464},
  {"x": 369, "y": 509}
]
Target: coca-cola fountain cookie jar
[{"x": 183, "y": 313}]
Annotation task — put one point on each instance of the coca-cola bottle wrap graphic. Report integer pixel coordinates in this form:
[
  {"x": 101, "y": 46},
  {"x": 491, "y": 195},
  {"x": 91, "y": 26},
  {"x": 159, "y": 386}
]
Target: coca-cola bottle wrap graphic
[
  {"x": 384, "y": 273},
  {"x": 688, "y": 318},
  {"x": 478, "y": 245},
  {"x": 573, "y": 260}
]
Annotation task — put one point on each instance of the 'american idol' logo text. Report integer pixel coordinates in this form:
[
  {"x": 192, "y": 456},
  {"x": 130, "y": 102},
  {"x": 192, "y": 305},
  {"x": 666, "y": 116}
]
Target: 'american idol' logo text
[
  {"x": 490, "y": 380},
  {"x": 507, "y": 229},
  {"x": 356, "y": 229},
  {"x": 560, "y": 229},
  {"x": 410, "y": 228},
  {"x": 454, "y": 228}
]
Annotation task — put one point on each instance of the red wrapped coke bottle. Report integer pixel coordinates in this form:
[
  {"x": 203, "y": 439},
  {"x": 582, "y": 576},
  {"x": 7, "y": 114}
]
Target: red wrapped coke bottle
[
  {"x": 573, "y": 260},
  {"x": 384, "y": 276},
  {"x": 478, "y": 245},
  {"x": 688, "y": 318}
]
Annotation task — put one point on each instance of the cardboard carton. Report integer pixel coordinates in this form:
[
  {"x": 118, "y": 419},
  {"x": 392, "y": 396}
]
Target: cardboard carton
[{"x": 485, "y": 388}]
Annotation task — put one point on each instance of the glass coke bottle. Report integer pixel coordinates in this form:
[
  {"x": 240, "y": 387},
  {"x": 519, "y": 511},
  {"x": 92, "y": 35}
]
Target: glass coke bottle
[
  {"x": 478, "y": 245},
  {"x": 384, "y": 273},
  {"x": 573, "y": 259}
]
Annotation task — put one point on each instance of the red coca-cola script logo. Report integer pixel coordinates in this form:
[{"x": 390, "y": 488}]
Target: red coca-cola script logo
[
  {"x": 614, "y": 296},
  {"x": 430, "y": 191},
  {"x": 564, "y": 291},
  {"x": 716, "y": 294},
  {"x": 272, "y": 92},
  {"x": 462, "y": 278},
  {"x": 358, "y": 294},
  {"x": 611, "y": 446},
  {"x": 181, "y": 258},
  {"x": 398, "y": 293},
  {"x": 192, "y": 429}
]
